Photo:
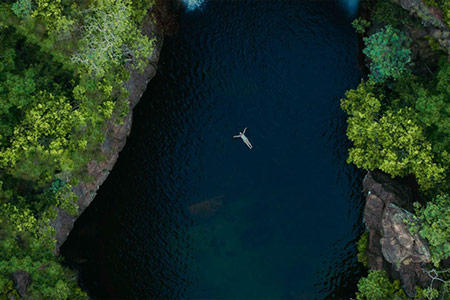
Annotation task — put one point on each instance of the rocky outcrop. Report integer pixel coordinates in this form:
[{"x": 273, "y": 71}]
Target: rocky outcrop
[
  {"x": 398, "y": 244},
  {"x": 116, "y": 135},
  {"x": 21, "y": 282},
  {"x": 392, "y": 247},
  {"x": 432, "y": 18}
]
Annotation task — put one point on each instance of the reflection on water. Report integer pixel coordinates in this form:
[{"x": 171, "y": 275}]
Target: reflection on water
[
  {"x": 190, "y": 212},
  {"x": 351, "y": 7},
  {"x": 192, "y": 4}
]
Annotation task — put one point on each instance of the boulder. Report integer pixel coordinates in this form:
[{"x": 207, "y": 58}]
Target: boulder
[
  {"x": 392, "y": 247},
  {"x": 432, "y": 18},
  {"x": 387, "y": 190},
  {"x": 373, "y": 211},
  {"x": 436, "y": 34},
  {"x": 398, "y": 245},
  {"x": 374, "y": 256},
  {"x": 21, "y": 282}
]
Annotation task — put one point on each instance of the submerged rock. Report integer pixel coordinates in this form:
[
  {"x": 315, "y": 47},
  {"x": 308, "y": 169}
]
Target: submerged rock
[{"x": 206, "y": 208}]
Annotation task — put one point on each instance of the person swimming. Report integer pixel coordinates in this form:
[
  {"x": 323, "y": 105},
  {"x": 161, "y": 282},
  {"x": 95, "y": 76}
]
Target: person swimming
[{"x": 244, "y": 138}]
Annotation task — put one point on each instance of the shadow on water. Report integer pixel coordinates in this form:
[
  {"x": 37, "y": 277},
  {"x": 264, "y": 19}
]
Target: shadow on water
[{"x": 189, "y": 212}]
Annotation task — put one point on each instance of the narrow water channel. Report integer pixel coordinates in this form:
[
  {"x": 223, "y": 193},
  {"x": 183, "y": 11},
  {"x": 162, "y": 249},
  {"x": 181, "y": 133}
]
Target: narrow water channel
[{"x": 190, "y": 212}]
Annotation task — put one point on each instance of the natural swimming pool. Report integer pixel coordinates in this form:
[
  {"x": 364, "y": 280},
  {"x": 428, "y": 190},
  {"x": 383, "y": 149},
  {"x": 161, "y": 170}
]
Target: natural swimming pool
[{"x": 190, "y": 212}]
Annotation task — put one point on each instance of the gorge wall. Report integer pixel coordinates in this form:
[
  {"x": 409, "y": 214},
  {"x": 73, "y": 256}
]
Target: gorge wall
[{"x": 115, "y": 139}]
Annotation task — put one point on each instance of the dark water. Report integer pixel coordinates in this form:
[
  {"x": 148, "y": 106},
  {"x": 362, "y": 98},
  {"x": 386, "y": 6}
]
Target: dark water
[{"x": 189, "y": 212}]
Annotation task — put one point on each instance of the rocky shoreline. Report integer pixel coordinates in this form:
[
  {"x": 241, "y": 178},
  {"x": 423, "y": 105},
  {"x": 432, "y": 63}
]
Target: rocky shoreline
[
  {"x": 392, "y": 247},
  {"x": 431, "y": 19},
  {"x": 160, "y": 21},
  {"x": 116, "y": 136}
]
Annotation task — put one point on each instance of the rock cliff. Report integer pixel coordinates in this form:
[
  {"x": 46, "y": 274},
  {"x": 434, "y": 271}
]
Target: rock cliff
[
  {"x": 392, "y": 247},
  {"x": 432, "y": 18},
  {"x": 116, "y": 135}
]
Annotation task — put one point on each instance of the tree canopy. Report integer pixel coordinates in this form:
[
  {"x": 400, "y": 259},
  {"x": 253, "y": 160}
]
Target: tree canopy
[
  {"x": 389, "y": 53},
  {"x": 62, "y": 68}
]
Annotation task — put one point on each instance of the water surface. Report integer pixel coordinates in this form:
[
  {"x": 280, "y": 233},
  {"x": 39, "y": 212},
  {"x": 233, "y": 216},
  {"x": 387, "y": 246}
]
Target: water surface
[{"x": 190, "y": 212}]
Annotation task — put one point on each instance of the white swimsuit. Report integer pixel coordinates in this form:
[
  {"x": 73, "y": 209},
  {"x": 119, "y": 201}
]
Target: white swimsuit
[{"x": 246, "y": 141}]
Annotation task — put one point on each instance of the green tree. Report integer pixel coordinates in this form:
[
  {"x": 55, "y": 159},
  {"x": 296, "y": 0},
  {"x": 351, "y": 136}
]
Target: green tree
[
  {"x": 434, "y": 225},
  {"x": 444, "y": 6},
  {"x": 22, "y": 8},
  {"x": 27, "y": 244},
  {"x": 389, "y": 54},
  {"x": 58, "y": 89},
  {"x": 41, "y": 143},
  {"x": 111, "y": 39},
  {"x": 360, "y": 25},
  {"x": 433, "y": 110},
  {"x": 377, "y": 286},
  {"x": 51, "y": 13},
  {"x": 363, "y": 244},
  {"x": 392, "y": 141}
]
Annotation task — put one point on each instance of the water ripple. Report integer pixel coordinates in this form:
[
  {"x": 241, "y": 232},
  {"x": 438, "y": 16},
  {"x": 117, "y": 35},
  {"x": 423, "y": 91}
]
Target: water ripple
[{"x": 189, "y": 212}]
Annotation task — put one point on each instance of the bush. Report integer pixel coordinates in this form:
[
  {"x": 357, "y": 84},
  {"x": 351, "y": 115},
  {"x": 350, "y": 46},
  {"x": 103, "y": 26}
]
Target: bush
[
  {"x": 62, "y": 68},
  {"x": 376, "y": 286},
  {"x": 360, "y": 25},
  {"x": 363, "y": 244},
  {"x": 392, "y": 140},
  {"x": 388, "y": 52},
  {"x": 435, "y": 226},
  {"x": 443, "y": 5}
]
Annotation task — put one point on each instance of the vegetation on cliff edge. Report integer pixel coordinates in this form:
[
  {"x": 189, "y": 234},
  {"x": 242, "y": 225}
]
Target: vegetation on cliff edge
[
  {"x": 399, "y": 122},
  {"x": 62, "y": 66}
]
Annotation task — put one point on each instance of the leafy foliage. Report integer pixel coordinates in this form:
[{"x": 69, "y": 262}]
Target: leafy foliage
[
  {"x": 444, "y": 6},
  {"x": 388, "y": 52},
  {"x": 62, "y": 68},
  {"x": 434, "y": 223},
  {"x": 43, "y": 139},
  {"x": 27, "y": 244},
  {"x": 386, "y": 12},
  {"x": 377, "y": 286},
  {"x": 111, "y": 38},
  {"x": 391, "y": 140},
  {"x": 433, "y": 110},
  {"x": 363, "y": 244},
  {"x": 401, "y": 126},
  {"x": 360, "y": 25},
  {"x": 22, "y": 8}
]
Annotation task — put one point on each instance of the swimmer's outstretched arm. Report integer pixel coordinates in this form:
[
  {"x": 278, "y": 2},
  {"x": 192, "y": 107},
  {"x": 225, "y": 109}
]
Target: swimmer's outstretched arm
[
  {"x": 236, "y": 136},
  {"x": 244, "y": 130}
]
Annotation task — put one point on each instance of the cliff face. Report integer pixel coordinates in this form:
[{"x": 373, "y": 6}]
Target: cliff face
[
  {"x": 392, "y": 247},
  {"x": 389, "y": 202},
  {"x": 116, "y": 136},
  {"x": 431, "y": 18}
]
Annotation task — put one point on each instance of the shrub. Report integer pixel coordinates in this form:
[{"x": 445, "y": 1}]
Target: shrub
[
  {"x": 360, "y": 25},
  {"x": 388, "y": 52},
  {"x": 391, "y": 140},
  {"x": 435, "y": 226},
  {"x": 376, "y": 286},
  {"x": 363, "y": 244}
]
